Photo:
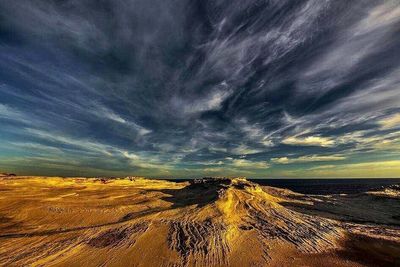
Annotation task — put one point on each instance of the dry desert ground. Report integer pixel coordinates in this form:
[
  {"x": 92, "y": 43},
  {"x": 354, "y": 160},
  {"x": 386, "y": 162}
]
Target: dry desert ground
[{"x": 53, "y": 221}]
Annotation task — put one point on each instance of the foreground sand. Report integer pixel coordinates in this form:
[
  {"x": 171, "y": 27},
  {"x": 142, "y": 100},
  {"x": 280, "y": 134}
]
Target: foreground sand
[{"x": 48, "y": 221}]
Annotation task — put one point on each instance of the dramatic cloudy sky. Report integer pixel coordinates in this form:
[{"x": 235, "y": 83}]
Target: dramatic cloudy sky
[{"x": 185, "y": 88}]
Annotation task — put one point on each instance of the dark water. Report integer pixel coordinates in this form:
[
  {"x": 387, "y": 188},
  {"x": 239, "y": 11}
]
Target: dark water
[{"x": 329, "y": 186}]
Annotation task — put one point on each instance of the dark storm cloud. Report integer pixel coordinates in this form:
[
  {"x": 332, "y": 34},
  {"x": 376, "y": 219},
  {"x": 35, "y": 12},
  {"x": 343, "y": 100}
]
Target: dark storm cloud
[{"x": 196, "y": 87}]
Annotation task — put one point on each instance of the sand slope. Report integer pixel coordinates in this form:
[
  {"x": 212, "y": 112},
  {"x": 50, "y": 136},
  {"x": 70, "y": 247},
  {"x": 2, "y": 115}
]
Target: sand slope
[{"x": 212, "y": 222}]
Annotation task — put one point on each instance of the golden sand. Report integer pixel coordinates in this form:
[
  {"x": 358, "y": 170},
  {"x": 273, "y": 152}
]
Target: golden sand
[{"x": 52, "y": 221}]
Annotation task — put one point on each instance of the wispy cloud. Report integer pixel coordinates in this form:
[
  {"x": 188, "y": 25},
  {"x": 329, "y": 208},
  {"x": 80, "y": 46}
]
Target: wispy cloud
[
  {"x": 312, "y": 158},
  {"x": 247, "y": 164},
  {"x": 309, "y": 141},
  {"x": 192, "y": 88},
  {"x": 388, "y": 168},
  {"x": 390, "y": 122}
]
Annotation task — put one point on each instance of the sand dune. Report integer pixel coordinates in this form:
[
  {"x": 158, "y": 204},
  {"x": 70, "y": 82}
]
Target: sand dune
[{"x": 50, "y": 221}]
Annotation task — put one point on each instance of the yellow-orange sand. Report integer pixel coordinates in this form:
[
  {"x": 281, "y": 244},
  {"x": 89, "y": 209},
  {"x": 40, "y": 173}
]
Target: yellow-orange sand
[{"x": 50, "y": 221}]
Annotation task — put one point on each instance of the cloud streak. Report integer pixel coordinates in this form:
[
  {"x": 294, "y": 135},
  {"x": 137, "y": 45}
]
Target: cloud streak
[{"x": 312, "y": 158}]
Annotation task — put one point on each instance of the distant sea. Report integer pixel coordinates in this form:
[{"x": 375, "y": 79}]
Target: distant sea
[
  {"x": 325, "y": 186},
  {"x": 329, "y": 186}
]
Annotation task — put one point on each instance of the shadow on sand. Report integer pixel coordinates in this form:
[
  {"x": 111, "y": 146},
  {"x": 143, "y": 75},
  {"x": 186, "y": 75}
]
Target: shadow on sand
[
  {"x": 375, "y": 212},
  {"x": 199, "y": 192}
]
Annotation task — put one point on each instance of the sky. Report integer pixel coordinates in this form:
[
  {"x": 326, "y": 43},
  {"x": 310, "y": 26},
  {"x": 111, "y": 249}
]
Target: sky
[{"x": 185, "y": 88}]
